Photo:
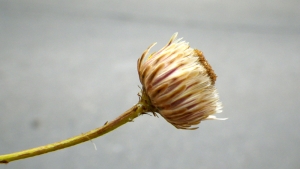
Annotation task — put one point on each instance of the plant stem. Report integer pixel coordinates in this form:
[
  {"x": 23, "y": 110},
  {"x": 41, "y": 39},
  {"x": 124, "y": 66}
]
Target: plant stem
[{"x": 127, "y": 116}]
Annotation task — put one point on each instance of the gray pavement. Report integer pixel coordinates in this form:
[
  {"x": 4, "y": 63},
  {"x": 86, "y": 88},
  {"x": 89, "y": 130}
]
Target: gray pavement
[{"x": 68, "y": 67}]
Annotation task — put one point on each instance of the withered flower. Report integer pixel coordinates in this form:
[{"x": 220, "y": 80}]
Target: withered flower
[{"x": 178, "y": 83}]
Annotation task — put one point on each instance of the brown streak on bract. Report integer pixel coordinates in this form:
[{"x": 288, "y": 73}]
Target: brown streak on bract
[{"x": 159, "y": 90}]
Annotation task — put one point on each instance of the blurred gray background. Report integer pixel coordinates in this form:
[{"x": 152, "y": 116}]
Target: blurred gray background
[{"x": 67, "y": 67}]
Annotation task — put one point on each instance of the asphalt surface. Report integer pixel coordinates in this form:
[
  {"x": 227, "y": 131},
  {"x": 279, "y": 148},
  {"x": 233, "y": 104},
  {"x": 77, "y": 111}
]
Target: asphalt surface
[{"x": 68, "y": 67}]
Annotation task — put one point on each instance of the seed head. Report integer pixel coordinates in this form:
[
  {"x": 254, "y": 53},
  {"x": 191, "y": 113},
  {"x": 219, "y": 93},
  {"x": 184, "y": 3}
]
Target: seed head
[{"x": 178, "y": 83}]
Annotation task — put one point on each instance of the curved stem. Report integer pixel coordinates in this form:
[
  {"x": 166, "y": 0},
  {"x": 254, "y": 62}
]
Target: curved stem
[{"x": 127, "y": 116}]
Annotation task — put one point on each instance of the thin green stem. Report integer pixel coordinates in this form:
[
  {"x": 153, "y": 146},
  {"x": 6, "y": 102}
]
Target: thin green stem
[{"x": 127, "y": 116}]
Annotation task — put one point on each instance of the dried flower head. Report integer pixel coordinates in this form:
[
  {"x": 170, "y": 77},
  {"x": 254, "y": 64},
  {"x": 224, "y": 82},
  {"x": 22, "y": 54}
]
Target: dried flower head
[{"x": 179, "y": 84}]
